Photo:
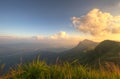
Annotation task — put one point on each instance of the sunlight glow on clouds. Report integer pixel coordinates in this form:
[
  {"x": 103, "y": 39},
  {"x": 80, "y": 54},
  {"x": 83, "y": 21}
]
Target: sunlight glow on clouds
[
  {"x": 60, "y": 39},
  {"x": 98, "y": 24},
  {"x": 119, "y": 4},
  {"x": 38, "y": 37},
  {"x": 60, "y": 35},
  {"x": 57, "y": 36}
]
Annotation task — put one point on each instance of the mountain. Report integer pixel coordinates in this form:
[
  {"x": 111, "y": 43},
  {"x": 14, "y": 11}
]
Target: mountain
[
  {"x": 78, "y": 51},
  {"x": 106, "y": 52},
  {"x": 94, "y": 54},
  {"x": 85, "y": 46}
]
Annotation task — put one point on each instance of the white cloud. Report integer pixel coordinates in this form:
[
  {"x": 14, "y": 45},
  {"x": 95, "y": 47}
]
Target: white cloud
[
  {"x": 119, "y": 4},
  {"x": 59, "y": 39},
  {"x": 60, "y": 35},
  {"x": 97, "y": 23},
  {"x": 57, "y": 36},
  {"x": 39, "y": 37}
]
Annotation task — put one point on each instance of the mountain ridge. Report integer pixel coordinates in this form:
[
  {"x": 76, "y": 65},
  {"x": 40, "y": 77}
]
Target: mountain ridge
[
  {"x": 107, "y": 51},
  {"x": 78, "y": 51}
]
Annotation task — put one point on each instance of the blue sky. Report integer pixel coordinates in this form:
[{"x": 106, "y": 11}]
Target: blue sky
[
  {"x": 48, "y": 17},
  {"x": 30, "y": 17},
  {"x": 35, "y": 16}
]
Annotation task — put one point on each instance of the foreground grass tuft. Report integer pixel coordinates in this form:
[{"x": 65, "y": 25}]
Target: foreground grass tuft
[{"x": 40, "y": 70}]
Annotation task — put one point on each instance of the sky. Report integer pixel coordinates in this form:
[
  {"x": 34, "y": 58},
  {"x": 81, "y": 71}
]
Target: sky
[{"x": 59, "y": 22}]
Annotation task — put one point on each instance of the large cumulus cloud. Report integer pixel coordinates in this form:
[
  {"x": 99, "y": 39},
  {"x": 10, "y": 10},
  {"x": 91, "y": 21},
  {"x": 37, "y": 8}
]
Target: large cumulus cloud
[{"x": 97, "y": 23}]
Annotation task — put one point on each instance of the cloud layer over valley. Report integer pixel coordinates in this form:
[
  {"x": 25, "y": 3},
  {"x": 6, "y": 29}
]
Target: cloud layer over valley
[{"x": 57, "y": 40}]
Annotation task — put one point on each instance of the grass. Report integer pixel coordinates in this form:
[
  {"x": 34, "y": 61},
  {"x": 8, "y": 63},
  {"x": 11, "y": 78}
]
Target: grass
[{"x": 40, "y": 70}]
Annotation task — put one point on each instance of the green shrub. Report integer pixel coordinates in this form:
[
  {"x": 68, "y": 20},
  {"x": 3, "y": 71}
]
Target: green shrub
[{"x": 40, "y": 70}]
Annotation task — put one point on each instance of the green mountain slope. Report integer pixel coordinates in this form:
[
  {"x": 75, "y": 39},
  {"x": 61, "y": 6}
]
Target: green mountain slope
[
  {"x": 79, "y": 51},
  {"x": 106, "y": 52},
  {"x": 92, "y": 53}
]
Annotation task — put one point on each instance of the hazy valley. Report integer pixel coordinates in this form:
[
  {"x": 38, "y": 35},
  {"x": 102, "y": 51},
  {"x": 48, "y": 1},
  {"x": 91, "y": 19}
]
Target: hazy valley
[{"x": 86, "y": 53}]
